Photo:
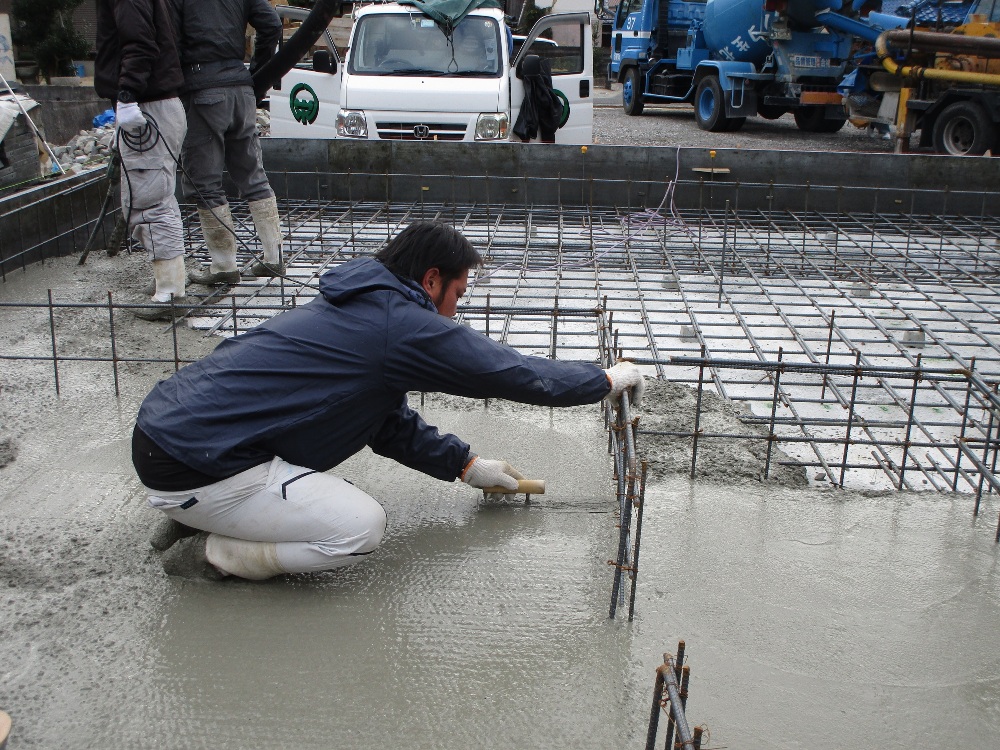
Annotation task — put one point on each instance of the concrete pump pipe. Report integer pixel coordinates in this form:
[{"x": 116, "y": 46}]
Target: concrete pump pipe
[
  {"x": 297, "y": 45},
  {"x": 930, "y": 41}
]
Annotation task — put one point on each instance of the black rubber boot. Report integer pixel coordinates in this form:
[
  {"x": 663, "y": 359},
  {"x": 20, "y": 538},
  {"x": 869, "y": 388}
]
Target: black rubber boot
[
  {"x": 164, "y": 310},
  {"x": 222, "y": 278},
  {"x": 168, "y": 532},
  {"x": 267, "y": 270},
  {"x": 187, "y": 559}
]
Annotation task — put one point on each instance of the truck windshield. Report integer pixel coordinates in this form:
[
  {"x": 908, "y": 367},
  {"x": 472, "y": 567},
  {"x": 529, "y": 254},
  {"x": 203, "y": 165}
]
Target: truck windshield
[{"x": 412, "y": 44}]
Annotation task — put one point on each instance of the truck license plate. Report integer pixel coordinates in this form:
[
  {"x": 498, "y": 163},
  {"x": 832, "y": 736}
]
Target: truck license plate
[{"x": 810, "y": 61}]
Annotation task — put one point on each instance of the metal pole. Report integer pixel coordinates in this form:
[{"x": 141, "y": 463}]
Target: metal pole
[
  {"x": 725, "y": 240},
  {"x": 829, "y": 345},
  {"x": 697, "y": 414},
  {"x": 965, "y": 424},
  {"x": 986, "y": 448},
  {"x": 850, "y": 415},
  {"x": 638, "y": 538},
  {"x": 909, "y": 423},
  {"x": 114, "y": 348},
  {"x": 654, "y": 712},
  {"x": 774, "y": 410},
  {"x": 52, "y": 332}
]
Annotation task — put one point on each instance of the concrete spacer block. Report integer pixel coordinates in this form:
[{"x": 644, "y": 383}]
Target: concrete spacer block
[{"x": 915, "y": 339}]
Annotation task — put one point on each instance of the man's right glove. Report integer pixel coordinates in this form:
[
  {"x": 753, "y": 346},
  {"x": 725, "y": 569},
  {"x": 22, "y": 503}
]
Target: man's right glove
[
  {"x": 129, "y": 117},
  {"x": 485, "y": 472},
  {"x": 625, "y": 376}
]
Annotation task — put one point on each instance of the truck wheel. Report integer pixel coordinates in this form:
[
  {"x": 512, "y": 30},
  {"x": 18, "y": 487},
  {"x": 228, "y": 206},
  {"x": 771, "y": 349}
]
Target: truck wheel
[
  {"x": 813, "y": 120},
  {"x": 632, "y": 92},
  {"x": 710, "y": 106},
  {"x": 963, "y": 129}
]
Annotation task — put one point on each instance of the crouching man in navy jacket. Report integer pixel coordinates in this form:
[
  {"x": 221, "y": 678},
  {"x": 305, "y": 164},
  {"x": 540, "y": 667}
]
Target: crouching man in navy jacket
[{"x": 239, "y": 443}]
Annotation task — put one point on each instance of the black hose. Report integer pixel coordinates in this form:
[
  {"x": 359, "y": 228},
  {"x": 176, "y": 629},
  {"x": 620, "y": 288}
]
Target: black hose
[{"x": 292, "y": 51}]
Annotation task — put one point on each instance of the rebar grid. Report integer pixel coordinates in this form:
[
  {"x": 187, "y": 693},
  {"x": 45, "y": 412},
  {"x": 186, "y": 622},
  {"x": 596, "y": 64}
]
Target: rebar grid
[
  {"x": 52, "y": 220},
  {"x": 825, "y": 288}
]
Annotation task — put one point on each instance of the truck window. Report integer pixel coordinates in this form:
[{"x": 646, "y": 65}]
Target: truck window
[
  {"x": 564, "y": 52},
  {"x": 412, "y": 44},
  {"x": 625, "y": 7}
]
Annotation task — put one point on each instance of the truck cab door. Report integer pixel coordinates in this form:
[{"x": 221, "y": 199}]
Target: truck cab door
[
  {"x": 568, "y": 46},
  {"x": 306, "y": 101}
]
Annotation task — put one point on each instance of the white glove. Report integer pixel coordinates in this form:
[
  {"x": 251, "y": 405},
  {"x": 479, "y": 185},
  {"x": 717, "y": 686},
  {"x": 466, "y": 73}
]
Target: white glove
[
  {"x": 626, "y": 376},
  {"x": 484, "y": 472},
  {"x": 129, "y": 116}
]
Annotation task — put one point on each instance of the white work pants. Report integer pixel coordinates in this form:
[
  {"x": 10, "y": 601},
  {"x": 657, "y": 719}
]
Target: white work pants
[
  {"x": 149, "y": 173},
  {"x": 319, "y": 521}
]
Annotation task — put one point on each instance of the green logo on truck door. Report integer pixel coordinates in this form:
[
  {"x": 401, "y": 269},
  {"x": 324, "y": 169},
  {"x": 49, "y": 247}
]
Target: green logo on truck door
[{"x": 304, "y": 103}]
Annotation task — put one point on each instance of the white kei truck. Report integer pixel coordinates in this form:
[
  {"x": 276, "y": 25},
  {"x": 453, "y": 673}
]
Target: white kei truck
[{"x": 404, "y": 78}]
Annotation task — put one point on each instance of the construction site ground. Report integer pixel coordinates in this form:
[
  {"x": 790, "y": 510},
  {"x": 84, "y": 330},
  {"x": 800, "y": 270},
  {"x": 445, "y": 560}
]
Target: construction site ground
[{"x": 814, "y": 617}]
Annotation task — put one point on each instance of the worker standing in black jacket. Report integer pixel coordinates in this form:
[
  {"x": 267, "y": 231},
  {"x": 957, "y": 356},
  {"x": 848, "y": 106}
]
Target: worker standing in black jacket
[
  {"x": 222, "y": 128},
  {"x": 138, "y": 67}
]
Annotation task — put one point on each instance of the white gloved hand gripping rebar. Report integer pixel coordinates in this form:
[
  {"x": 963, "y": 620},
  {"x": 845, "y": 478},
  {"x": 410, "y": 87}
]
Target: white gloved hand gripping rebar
[{"x": 625, "y": 376}]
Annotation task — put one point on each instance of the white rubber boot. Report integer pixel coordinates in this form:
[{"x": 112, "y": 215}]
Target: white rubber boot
[
  {"x": 254, "y": 561},
  {"x": 168, "y": 277},
  {"x": 268, "y": 225},
  {"x": 220, "y": 239}
]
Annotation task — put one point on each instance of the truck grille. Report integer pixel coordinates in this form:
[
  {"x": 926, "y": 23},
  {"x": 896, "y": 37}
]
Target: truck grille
[{"x": 420, "y": 131}]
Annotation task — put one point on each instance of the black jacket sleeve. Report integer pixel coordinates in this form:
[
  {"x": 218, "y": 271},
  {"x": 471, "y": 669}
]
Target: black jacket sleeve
[
  {"x": 137, "y": 36},
  {"x": 267, "y": 24},
  {"x": 405, "y": 437}
]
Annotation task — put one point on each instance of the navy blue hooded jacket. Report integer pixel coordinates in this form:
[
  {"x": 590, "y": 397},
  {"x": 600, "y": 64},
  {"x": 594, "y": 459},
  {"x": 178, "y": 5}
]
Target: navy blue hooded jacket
[{"x": 316, "y": 384}]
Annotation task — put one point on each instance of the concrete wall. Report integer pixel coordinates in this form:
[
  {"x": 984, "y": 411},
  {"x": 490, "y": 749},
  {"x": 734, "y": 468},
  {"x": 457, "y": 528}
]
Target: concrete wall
[
  {"x": 631, "y": 176},
  {"x": 63, "y": 111}
]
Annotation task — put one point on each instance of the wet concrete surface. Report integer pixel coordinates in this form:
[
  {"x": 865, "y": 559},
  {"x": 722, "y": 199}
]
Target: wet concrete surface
[{"x": 813, "y": 618}]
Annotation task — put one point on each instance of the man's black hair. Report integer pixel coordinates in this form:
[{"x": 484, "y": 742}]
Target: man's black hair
[{"x": 427, "y": 244}]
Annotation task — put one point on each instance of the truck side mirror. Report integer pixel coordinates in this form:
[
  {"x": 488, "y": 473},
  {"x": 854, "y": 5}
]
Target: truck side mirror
[{"x": 323, "y": 62}]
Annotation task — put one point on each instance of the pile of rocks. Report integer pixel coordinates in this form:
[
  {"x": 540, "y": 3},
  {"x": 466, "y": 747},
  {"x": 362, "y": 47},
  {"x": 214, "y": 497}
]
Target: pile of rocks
[
  {"x": 263, "y": 123},
  {"x": 92, "y": 148},
  {"x": 88, "y": 149}
]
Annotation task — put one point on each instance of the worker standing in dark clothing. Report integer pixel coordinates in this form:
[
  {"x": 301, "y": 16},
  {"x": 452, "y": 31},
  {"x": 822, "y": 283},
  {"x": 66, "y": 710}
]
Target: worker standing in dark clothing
[
  {"x": 138, "y": 67},
  {"x": 222, "y": 128},
  {"x": 238, "y": 444}
]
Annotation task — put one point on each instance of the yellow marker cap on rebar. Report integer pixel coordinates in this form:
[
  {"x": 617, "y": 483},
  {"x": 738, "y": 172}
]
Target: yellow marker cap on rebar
[
  {"x": 583, "y": 149},
  {"x": 712, "y": 154}
]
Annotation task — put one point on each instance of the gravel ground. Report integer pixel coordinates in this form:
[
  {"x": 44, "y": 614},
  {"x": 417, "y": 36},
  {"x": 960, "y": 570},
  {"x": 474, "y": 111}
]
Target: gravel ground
[{"x": 674, "y": 125}]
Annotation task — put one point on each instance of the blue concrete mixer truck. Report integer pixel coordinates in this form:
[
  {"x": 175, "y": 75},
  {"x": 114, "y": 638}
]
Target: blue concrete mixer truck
[{"x": 734, "y": 59}]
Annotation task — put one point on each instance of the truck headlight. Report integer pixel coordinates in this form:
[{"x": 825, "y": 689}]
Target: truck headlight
[
  {"x": 491, "y": 126},
  {"x": 351, "y": 123}
]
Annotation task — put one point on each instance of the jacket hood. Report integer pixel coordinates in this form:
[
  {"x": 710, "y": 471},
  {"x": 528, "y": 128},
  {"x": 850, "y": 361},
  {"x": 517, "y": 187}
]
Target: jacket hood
[{"x": 366, "y": 275}]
